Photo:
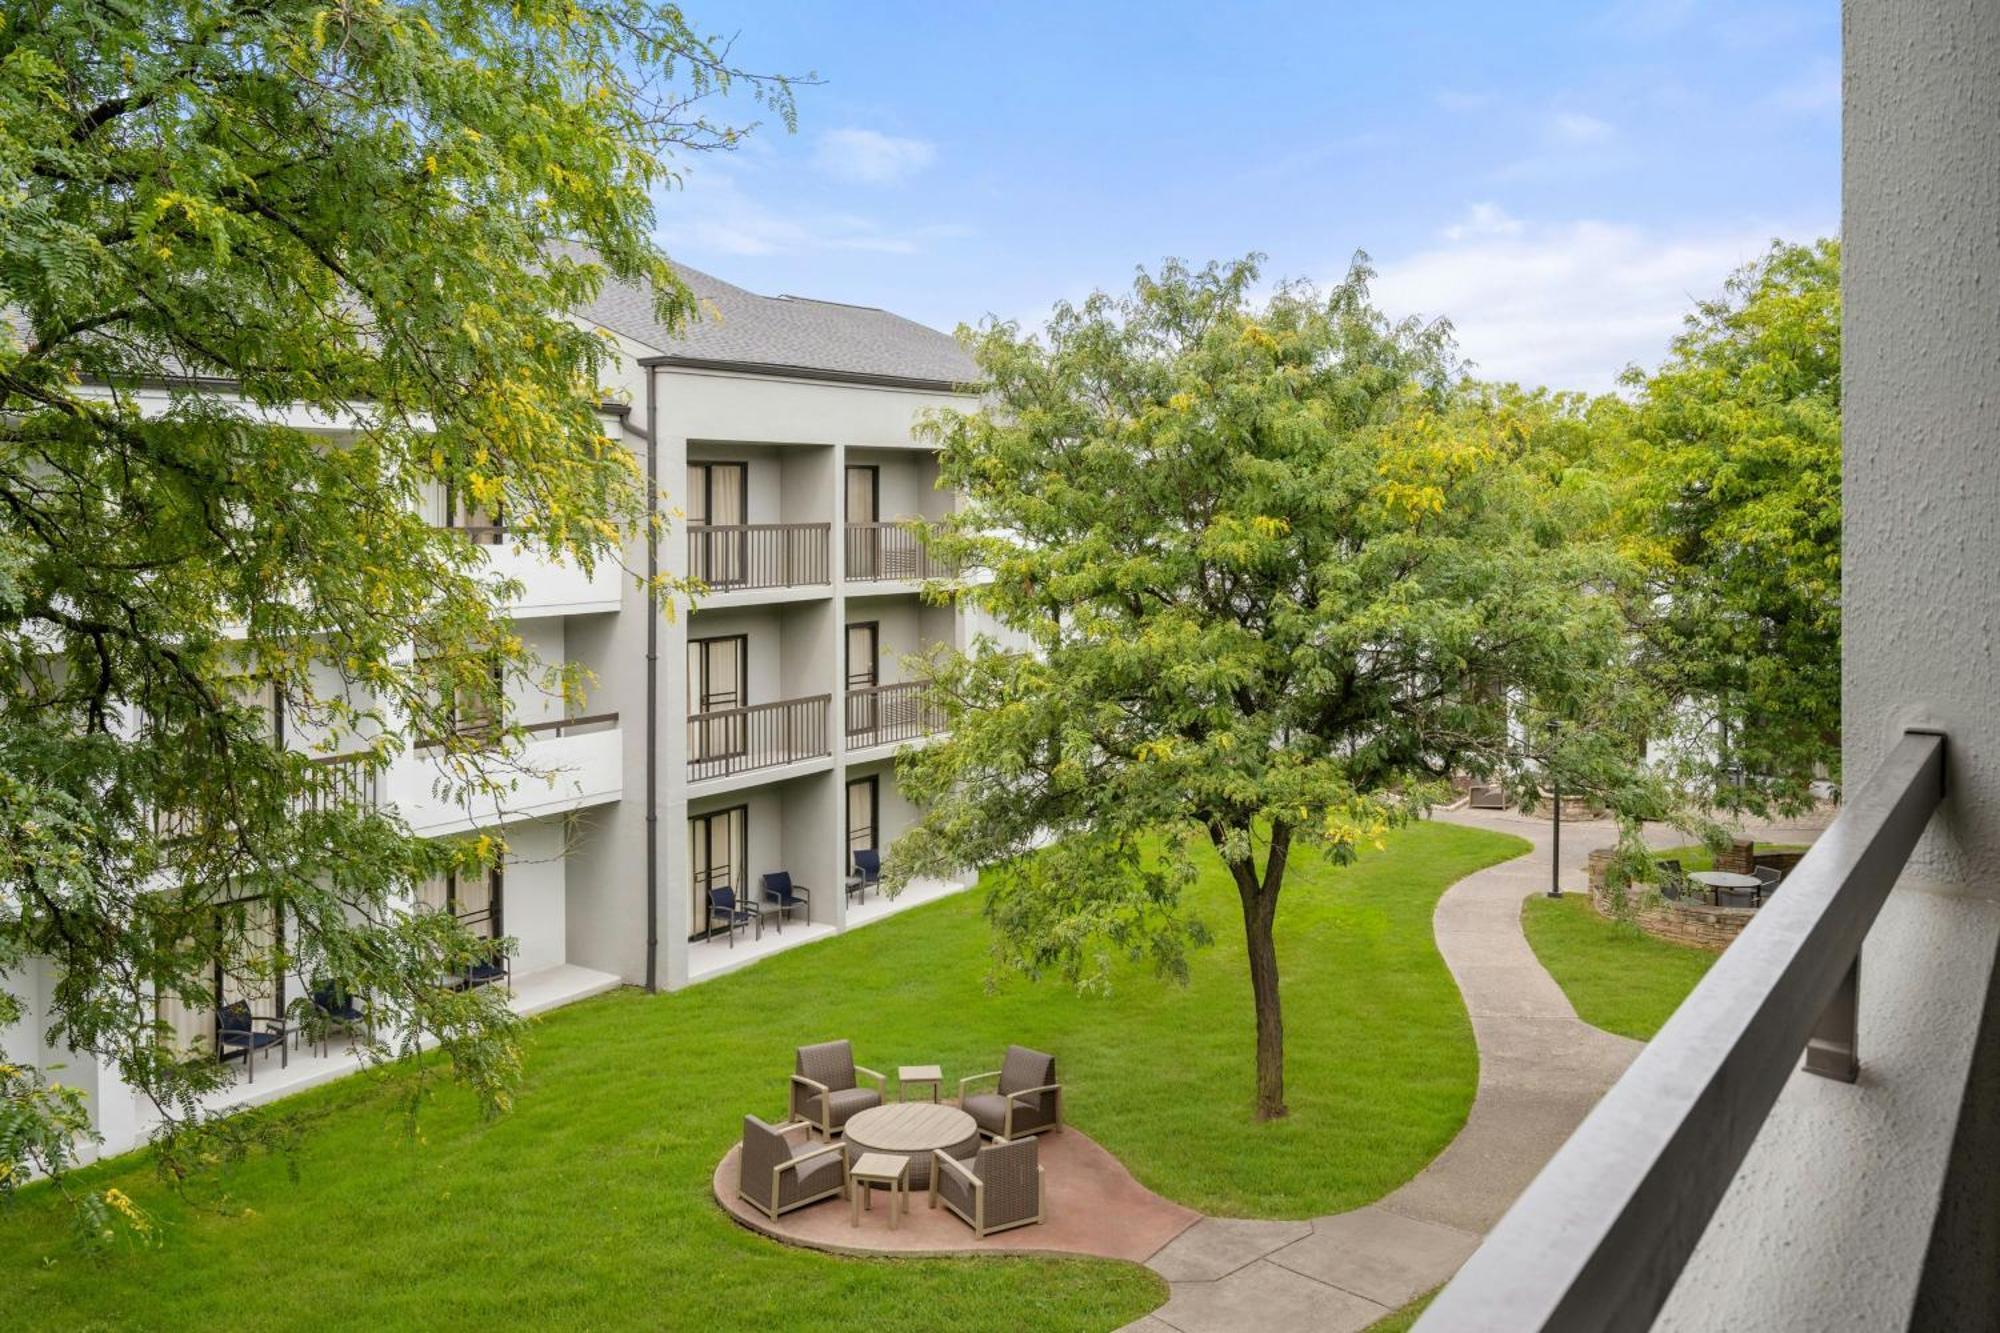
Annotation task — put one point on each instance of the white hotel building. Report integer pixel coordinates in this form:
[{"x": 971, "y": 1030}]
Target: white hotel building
[{"x": 753, "y": 730}]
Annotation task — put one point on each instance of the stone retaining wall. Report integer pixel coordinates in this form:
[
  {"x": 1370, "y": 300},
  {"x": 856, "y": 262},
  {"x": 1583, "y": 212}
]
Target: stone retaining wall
[{"x": 1685, "y": 922}]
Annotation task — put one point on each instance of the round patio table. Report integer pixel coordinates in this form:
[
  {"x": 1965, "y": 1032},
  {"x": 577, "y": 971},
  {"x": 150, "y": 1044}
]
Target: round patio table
[
  {"x": 1716, "y": 880},
  {"x": 913, "y": 1130}
]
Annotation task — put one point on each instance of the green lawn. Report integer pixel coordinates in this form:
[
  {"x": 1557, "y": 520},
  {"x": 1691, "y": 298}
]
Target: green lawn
[
  {"x": 589, "y": 1205},
  {"x": 1618, "y": 977},
  {"x": 1697, "y": 856},
  {"x": 1400, "y": 1320}
]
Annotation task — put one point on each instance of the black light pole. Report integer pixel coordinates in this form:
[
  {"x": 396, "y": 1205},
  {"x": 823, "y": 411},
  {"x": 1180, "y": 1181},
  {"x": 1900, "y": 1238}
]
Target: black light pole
[{"x": 1556, "y": 840}]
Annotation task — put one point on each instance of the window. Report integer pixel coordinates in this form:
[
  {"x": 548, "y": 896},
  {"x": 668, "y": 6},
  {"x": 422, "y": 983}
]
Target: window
[
  {"x": 862, "y": 799},
  {"x": 718, "y": 497},
  {"x": 718, "y": 849},
  {"x": 864, "y": 507},
  {"x": 718, "y": 682},
  {"x": 863, "y": 674}
]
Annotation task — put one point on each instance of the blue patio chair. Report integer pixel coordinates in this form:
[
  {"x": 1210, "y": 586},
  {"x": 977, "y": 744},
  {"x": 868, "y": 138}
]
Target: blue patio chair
[
  {"x": 786, "y": 896},
  {"x": 722, "y": 903},
  {"x": 333, "y": 1007},
  {"x": 239, "y": 1030},
  {"x": 867, "y": 871}
]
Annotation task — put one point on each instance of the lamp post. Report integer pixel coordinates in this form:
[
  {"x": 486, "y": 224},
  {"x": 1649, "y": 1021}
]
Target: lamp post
[{"x": 1556, "y": 831}]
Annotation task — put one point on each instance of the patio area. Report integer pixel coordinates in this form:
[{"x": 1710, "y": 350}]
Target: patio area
[
  {"x": 717, "y": 956},
  {"x": 304, "y": 1067},
  {"x": 1092, "y": 1206}
]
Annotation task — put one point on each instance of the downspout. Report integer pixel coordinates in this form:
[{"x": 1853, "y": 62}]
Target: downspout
[{"x": 652, "y": 681}]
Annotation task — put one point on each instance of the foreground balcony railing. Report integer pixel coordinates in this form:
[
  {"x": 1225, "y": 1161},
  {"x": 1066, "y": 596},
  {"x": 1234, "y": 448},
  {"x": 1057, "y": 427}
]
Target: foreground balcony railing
[
  {"x": 877, "y": 551},
  {"x": 736, "y": 740},
  {"x": 760, "y": 555},
  {"x": 879, "y": 714},
  {"x": 1601, "y": 1236}
]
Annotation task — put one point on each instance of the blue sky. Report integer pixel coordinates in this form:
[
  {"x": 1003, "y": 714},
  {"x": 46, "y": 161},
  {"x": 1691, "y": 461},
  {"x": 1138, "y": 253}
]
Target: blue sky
[{"x": 1560, "y": 180}]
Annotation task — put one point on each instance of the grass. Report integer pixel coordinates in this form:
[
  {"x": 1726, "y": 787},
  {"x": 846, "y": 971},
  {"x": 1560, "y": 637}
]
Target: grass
[
  {"x": 1399, "y": 1321},
  {"x": 1618, "y": 977},
  {"x": 589, "y": 1205},
  {"x": 1697, "y": 856}
]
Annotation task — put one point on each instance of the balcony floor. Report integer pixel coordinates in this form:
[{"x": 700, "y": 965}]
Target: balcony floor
[
  {"x": 915, "y": 894},
  {"x": 534, "y": 992},
  {"x": 713, "y": 958}
]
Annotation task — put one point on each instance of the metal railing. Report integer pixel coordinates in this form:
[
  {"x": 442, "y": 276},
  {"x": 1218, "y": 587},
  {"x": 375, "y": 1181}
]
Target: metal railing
[
  {"x": 567, "y": 726},
  {"x": 877, "y": 551},
  {"x": 736, "y": 740},
  {"x": 879, "y": 714},
  {"x": 339, "y": 780},
  {"x": 759, "y": 555},
  {"x": 1601, "y": 1236},
  {"x": 480, "y": 534}
]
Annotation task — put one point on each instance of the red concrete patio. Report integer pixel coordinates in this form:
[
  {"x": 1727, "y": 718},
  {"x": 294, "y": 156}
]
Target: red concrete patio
[{"x": 1092, "y": 1206}]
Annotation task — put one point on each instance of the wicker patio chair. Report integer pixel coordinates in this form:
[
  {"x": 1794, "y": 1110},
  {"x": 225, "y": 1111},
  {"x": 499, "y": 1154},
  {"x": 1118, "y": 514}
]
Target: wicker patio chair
[
  {"x": 825, "y": 1091},
  {"x": 1673, "y": 880},
  {"x": 1028, "y": 1099},
  {"x": 999, "y": 1189},
  {"x": 776, "y": 1175}
]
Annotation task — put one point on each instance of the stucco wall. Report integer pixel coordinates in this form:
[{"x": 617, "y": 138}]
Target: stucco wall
[{"x": 1831, "y": 1222}]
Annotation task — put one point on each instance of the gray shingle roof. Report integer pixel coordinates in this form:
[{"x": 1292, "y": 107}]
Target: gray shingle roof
[{"x": 738, "y": 327}]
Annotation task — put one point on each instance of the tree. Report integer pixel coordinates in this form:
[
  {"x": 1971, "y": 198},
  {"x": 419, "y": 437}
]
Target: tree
[
  {"x": 1731, "y": 452},
  {"x": 220, "y": 223},
  {"x": 1264, "y": 578}
]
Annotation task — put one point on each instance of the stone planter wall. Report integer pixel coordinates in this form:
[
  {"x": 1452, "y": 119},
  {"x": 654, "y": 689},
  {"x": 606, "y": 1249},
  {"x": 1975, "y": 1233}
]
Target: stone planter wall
[{"x": 1693, "y": 923}]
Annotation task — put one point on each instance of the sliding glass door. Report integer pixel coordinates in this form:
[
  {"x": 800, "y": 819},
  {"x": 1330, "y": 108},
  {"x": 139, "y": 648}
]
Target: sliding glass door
[
  {"x": 718, "y": 501},
  {"x": 718, "y": 683},
  {"x": 718, "y": 849},
  {"x": 863, "y": 796},
  {"x": 864, "y": 512}
]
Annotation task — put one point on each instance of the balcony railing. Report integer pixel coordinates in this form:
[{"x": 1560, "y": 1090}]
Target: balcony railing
[
  {"x": 736, "y": 740},
  {"x": 480, "y": 534},
  {"x": 878, "y": 551},
  {"x": 1601, "y": 1236},
  {"x": 759, "y": 555},
  {"x": 339, "y": 780},
  {"x": 879, "y": 714}
]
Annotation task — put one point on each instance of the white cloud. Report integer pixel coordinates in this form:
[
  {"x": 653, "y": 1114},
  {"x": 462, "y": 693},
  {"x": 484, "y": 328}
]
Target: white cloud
[
  {"x": 714, "y": 214},
  {"x": 1573, "y": 127},
  {"x": 870, "y": 157},
  {"x": 1483, "y": 220},
  {"x": 1567, "y": 304}
]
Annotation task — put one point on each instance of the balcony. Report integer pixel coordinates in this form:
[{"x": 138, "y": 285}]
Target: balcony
[
  {"x": 1602, "y": 1236},
  {"x": 885, "y": 714},
  {"x": 739, "y": 557},
  {"x": 564, "y": 764},
  {"x": 727, "y": 741},
  {"x": 890, "y": 553},
  {"x": 549, "y": 587}
]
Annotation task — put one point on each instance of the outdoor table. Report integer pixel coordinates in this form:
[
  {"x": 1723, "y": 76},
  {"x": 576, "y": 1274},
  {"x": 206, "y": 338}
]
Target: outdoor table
[
  {"x": 883, "y": 1169},
  {"x": 913, "y": 1130},
  {"x": 1716, "y": 880},
  {"x": 908, "y": 1074}
]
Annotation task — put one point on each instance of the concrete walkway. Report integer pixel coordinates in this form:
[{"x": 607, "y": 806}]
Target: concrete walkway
[{"x": 1541, "y": 1069}]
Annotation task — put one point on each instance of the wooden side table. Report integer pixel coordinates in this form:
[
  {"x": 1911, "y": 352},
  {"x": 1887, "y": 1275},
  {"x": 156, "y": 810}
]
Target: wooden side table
[
  {"x": 908, "y": 1074},
  {"x": 874, "y": 1168}
]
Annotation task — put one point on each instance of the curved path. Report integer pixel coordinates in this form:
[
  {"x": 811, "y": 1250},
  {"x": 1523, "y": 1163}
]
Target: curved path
[{"x": 1541, "y": 1069}]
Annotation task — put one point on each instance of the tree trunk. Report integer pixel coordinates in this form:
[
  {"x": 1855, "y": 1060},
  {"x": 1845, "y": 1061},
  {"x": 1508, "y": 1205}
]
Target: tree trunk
[{"x": 1258, "y": 911}]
